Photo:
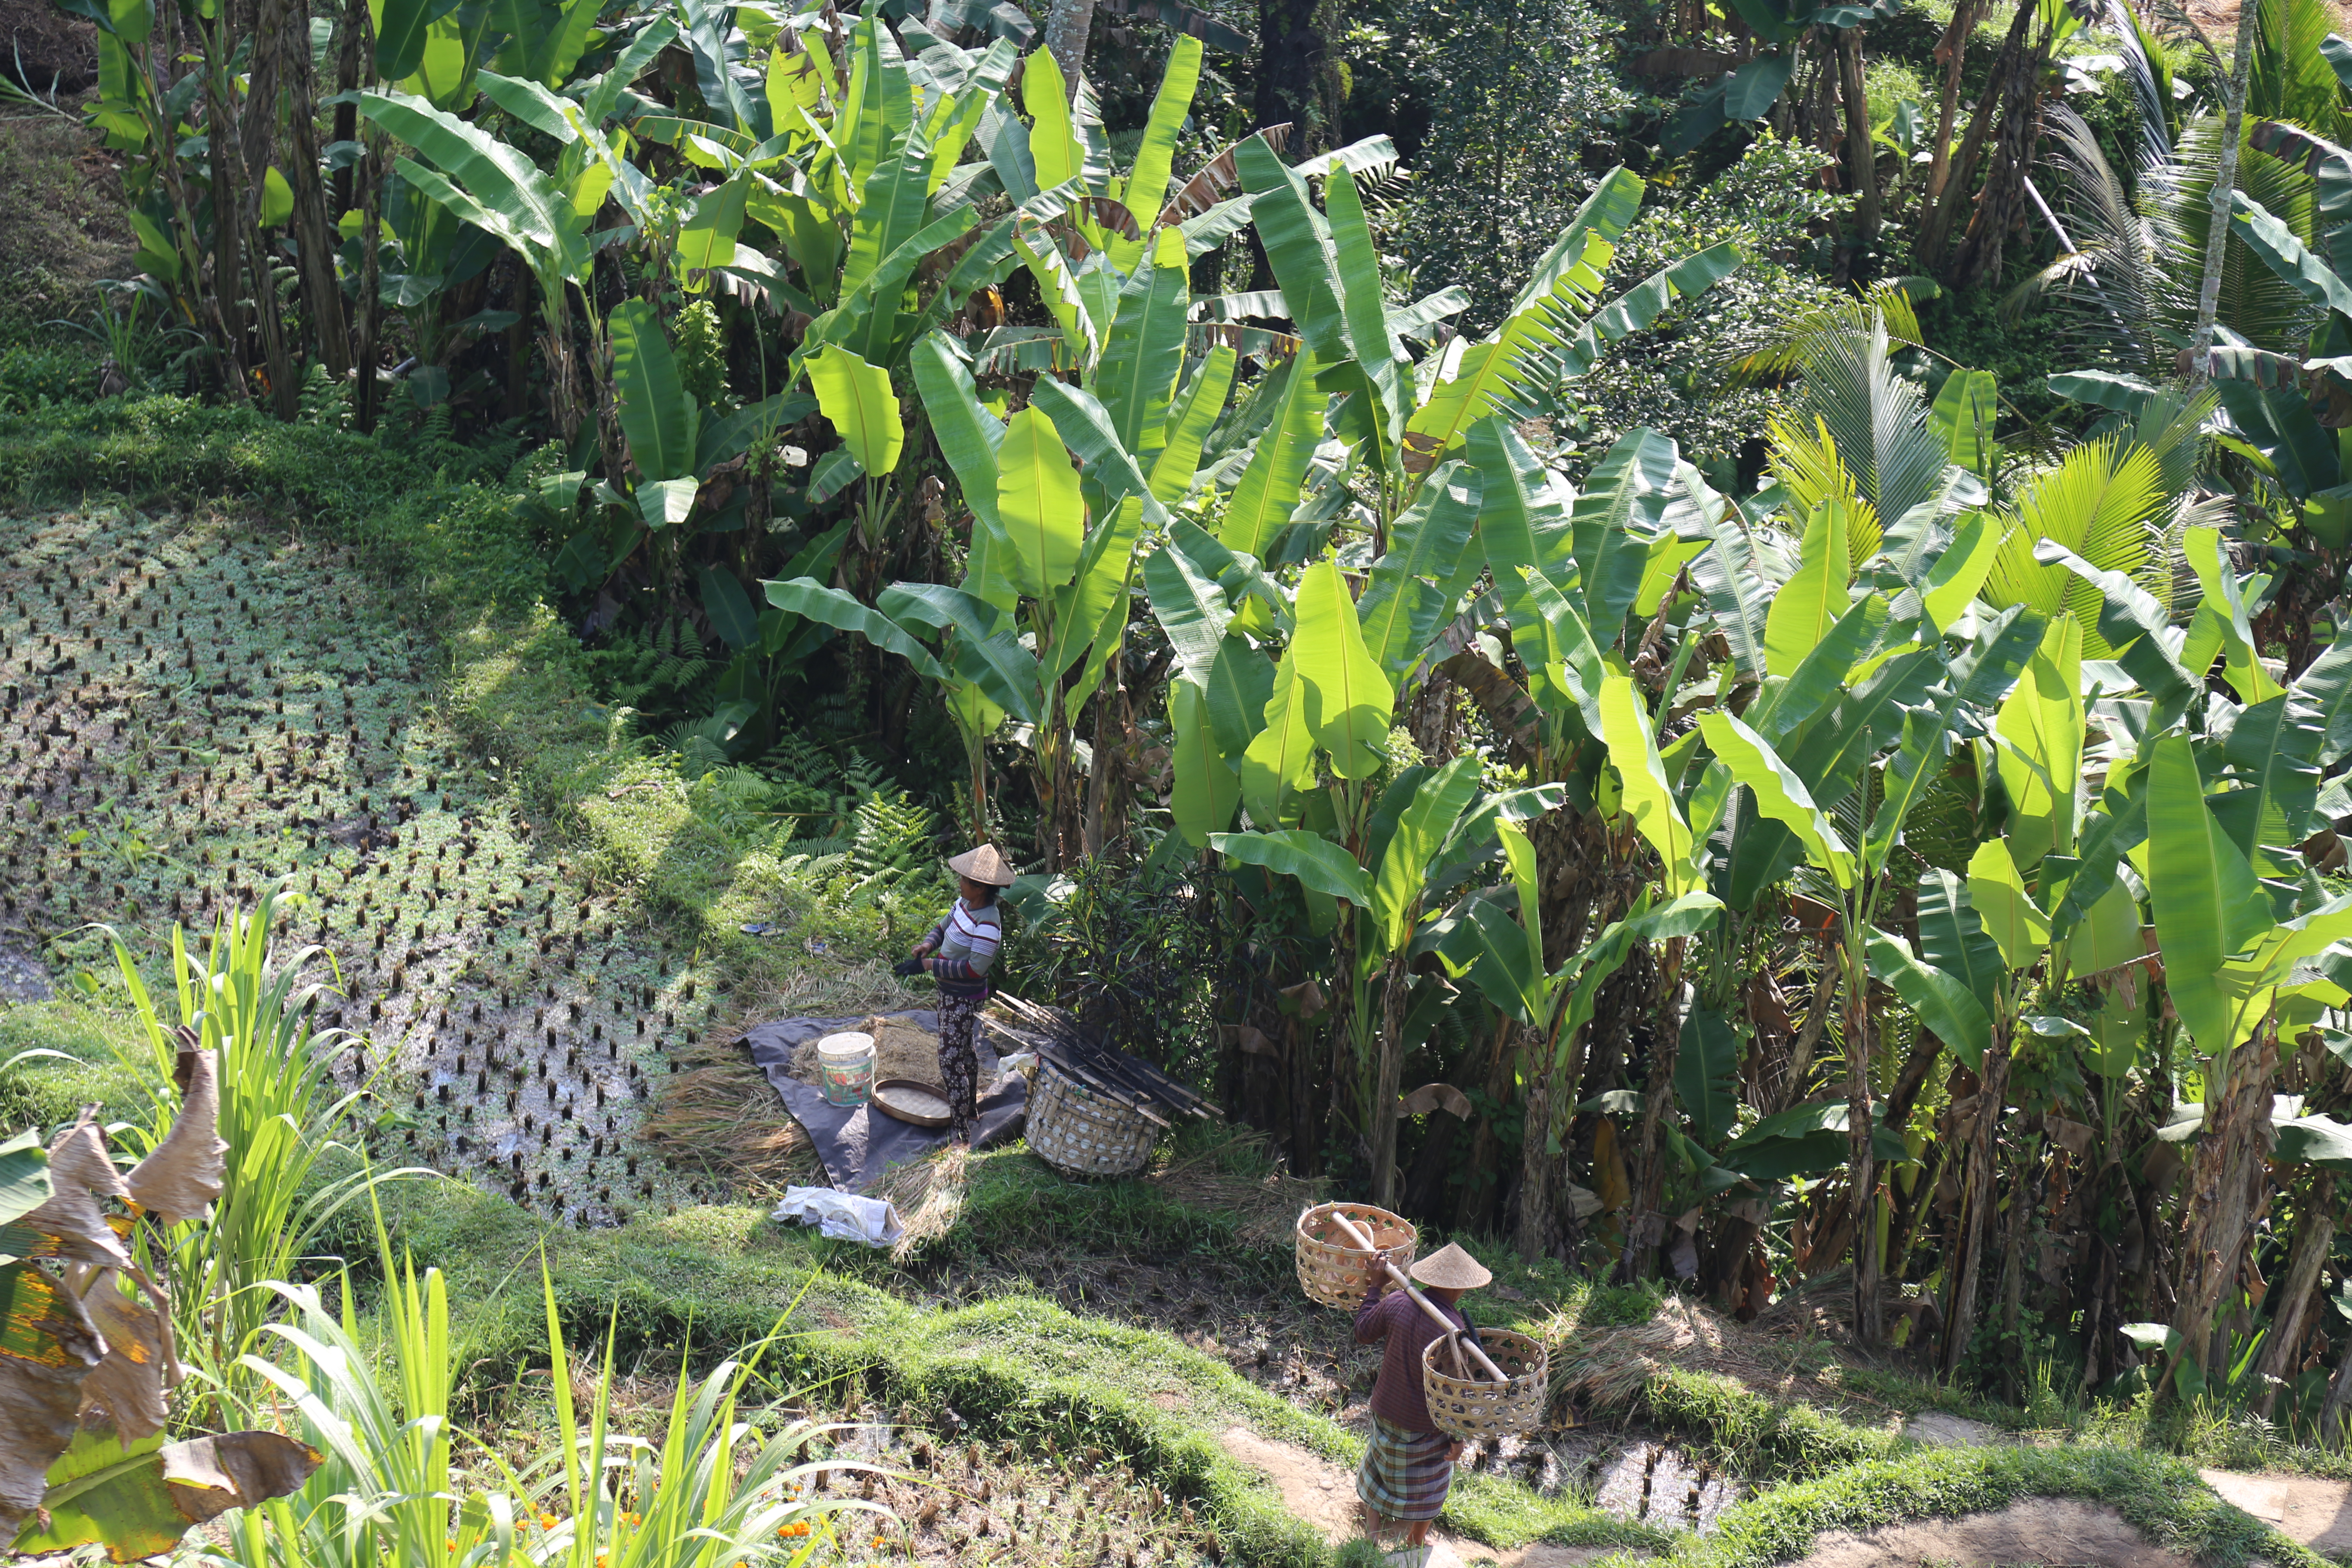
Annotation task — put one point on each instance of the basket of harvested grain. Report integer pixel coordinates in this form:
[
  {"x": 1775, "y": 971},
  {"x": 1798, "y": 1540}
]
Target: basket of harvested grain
[
  {"x": 1335, "y": 1269},
  {"x": 1467, "y": 1405},
  {"x": 1082, "y": 1132}
]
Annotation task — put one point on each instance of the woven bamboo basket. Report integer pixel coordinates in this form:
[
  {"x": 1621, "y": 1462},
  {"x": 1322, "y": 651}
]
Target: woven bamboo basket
[
  {"x": 1468, "y": 1409},
  {"x": 1334, "y": 1272},
  {"x": 1082, "y": 1133}
]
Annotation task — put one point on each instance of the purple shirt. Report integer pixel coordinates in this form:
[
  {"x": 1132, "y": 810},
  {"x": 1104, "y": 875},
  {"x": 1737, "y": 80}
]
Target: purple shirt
[{"x": 1397, "y": 1397}]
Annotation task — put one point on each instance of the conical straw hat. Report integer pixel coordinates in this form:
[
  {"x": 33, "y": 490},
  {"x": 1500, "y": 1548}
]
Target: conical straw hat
[
  {"x": 1451, "y": 1269},
  {"x": 984, "y": 866}
]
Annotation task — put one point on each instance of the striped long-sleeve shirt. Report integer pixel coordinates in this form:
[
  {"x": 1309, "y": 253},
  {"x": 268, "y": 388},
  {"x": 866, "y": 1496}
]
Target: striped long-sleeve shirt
[{"x": 967, "y": 941}]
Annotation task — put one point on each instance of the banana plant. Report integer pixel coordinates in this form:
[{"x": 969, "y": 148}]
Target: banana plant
[
  {"x": 1400, "y": 418},
  {"x": 1500, "y": 949}
]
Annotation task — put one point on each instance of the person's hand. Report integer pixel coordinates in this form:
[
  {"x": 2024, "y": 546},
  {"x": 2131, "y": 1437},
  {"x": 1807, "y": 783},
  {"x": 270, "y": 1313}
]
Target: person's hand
[
  {"x": 1454, "y": 1454},
  {"x": 917, "y": 950}
]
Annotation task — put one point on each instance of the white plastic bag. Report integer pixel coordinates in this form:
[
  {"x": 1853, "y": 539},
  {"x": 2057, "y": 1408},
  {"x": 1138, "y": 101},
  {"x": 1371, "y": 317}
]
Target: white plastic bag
[{"x": 844, "y": 1217}]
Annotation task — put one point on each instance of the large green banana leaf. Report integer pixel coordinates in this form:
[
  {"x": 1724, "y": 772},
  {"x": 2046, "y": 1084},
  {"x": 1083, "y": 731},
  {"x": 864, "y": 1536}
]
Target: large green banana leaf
[
  {"x": 1706, "y": 1074},
  {"x": 1144, "y": 352},
  {"x": 1038, "y": 499},
  {"x": 2018, "y": 925},
  {"x": 1268, "y": 491},
  {"x": 844, "y": 612},
  {"x": 1422, "y": 830},
  {"x": 1943, "y": 1002},
  {"x": 1814, "y": 598},
  {"x": 1649, "y": 798},
  {"x": 656, "y": 415},
  {"x": 1314, "y": 860},
  {"x": 485, "y": 182},
  {"x": 1364, "y": 314},
  {"x": 1281, "y": 758},
  {"x": 1205, "y": 787},
  {"x": 1779, "y": 793},
  {"x": 1177, "y": 466},
  {"x": 1147, "y": 181},
  {"x": 1954, "y": 941},
  {"x": 1298, "y": 242},
  {"x": 1403, "y": 604},
  {"x": 2207, "y": 901},
  {"x": 1350, "y": 702},
  {"x": 2041, "y": 762},
  {"x": 1617, "y": 521},
  {"x": 857, "y": 400}
]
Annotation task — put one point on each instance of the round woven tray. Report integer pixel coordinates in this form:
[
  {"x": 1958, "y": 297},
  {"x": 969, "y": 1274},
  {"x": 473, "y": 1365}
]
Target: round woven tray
[
  {"x": 917, "y": 1104},
  {"x": 1082, "y": 1133},
  {"x": 1469, "y": 1409},
  {"x": 1333, "y": 1269}
]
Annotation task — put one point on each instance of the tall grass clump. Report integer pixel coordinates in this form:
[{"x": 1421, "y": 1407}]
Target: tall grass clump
[{"x": 281, "y": 1107}]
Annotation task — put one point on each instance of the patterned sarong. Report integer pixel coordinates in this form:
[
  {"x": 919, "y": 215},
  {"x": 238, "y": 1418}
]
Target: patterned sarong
[
  {"x": 959, "y": 1058},
  {"x": 1405, "y": 1474}
]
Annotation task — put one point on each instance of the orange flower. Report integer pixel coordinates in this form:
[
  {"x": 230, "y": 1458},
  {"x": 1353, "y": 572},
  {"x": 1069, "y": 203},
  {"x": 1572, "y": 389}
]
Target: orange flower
[{"x": 547, "y": 1522}]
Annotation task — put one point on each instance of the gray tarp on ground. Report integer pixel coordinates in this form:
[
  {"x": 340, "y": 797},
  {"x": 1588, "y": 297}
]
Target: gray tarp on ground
[{"x": 858, "y": 1143}]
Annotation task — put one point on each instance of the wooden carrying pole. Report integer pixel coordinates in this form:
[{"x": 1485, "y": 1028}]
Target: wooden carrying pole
[{"x": 1397, "y": 1278}]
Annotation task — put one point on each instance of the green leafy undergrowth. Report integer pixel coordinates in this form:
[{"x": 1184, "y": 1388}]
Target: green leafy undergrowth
[{"x": 1013, "y": 1367}]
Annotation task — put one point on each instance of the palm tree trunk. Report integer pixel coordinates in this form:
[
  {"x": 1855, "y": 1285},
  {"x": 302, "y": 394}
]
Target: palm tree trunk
[
  {"x": 2313, "y": 1240},
  {"x": 2225, "y": 180},
  {"x": 1861, "y": 1157},
  {"x": 1067, "y": 27}
]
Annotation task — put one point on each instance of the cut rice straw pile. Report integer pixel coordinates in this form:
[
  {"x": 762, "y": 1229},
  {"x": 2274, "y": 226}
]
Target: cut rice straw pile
[
  {"x": 1610, "y": 1369},
  {"x": 718, "y": 1112},
  {"x": 1268, "y": 1203}
]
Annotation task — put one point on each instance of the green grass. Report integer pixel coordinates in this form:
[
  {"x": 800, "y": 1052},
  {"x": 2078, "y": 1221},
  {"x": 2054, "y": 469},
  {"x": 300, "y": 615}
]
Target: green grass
[
  {"x": 1012, "y": 1367},
  {"x": 2161, "y": 1496}
]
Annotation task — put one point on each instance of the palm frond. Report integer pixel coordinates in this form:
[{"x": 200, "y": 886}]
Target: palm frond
[{"x": 2105, "y": 501}]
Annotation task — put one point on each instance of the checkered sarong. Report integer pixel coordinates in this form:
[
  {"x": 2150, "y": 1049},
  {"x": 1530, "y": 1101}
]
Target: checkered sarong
[{"x": 1405, "y": 1474}]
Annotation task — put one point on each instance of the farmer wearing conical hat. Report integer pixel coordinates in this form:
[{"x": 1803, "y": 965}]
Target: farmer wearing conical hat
[
  {"x": 1408, "y": 1463},
  {"x": 957, "y": 953}
]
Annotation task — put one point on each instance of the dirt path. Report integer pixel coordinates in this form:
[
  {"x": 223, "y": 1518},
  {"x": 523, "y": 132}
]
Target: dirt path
[
  {"x": 2315, "y": 1513},
  {"x": 2039, "y": 1529},
  {"x": 1324, "y": 1495}
]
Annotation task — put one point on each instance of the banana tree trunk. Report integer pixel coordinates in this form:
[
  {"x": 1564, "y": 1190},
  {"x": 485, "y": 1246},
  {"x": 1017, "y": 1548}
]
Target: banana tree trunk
[
  {"x": 2339, "y": 1399},
  {"x": 258, "y": 135},
  {"x": 1861, "y": 153},
  {"x": 1538, "y": 1181},
  {"x": 1951, "y": 49},
  {"x": 2232, "y": 1160},
  {"x": 1381, "y": 1113},
  {"x": 1983, "y": 244},
  {"x": 314, "y": 233},
  {"x": 1862, "y": 1159},
  {"x": 1960, "y": 1311},
  {"x": 370, "y": 300},
  {"x": 1936, "y": 234},
  {"x": 2313, "y": 1240},
  {"x": 1647, "y": 1227},
  {"x": 228, "y": 201}
]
